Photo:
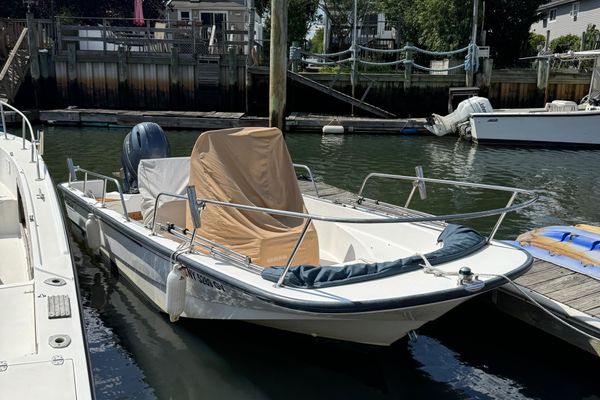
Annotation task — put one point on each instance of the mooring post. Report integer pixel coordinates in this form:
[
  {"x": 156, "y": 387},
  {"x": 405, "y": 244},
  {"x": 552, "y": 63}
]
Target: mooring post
[
  {"x": 249, "y": 54},
  {"x": 408, "y": 66},
  {"x": 470, "y": 78},
  {"x": 33, "y": 48},
  {"x": 278, "y": 64}
]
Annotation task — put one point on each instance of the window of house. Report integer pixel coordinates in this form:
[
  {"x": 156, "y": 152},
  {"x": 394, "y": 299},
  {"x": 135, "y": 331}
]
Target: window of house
[
  {"x": 184, "y": 15},
  {"x": 213, "y": 18},
  {"x": 552, "y": 15},
  {"x": 574, "y": 11}
]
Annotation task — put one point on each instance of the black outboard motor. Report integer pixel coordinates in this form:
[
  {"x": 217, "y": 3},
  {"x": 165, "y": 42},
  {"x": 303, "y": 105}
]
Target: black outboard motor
[{"x": 146, "y": 140}]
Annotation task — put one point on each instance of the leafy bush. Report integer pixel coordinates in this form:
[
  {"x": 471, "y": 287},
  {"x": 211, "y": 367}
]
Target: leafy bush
[
  {"x": 564, "y": 43},
  {"x": 536, "y": 41}
]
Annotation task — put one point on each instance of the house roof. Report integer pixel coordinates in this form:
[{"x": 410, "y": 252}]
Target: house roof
[
  {"x": 209, "y": 5},
  {"x": 554, "y": 3}
]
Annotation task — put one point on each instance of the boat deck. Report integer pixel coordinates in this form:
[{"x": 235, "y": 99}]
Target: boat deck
[{"x": 566, "y": 291}]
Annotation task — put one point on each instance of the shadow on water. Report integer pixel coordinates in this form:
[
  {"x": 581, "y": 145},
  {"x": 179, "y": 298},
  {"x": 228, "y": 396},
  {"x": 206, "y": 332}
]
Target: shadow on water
[{"x": 473, "y": 352}]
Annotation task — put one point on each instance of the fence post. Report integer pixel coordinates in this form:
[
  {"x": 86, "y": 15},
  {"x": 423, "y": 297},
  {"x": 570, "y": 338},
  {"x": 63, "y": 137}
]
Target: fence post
[
  {"x": 72, "y": 61},
  {"x": 33, "y": 48},
  {"x": 104, "y": 35},
  {"x": 58, "y": 36},
  {"x": 408, "y": 67}
]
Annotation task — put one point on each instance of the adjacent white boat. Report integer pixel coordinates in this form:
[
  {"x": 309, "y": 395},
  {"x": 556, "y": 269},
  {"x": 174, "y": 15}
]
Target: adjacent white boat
[
  {"x": 341, "y": 272},
  {"x": 559, "y": 123},
  {"x": 43, "y": 352}
]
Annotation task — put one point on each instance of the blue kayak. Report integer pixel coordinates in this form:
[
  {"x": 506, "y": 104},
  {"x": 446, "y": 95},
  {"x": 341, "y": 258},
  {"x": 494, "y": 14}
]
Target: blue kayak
[{"x": 574, "y": 247}]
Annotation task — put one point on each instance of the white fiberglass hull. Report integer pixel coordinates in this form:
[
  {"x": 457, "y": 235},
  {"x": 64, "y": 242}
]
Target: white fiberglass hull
[
  {"x": 43, "y": 352},
  {"x": 368, "y": 312},
  {"x": 539, "y": 127}
]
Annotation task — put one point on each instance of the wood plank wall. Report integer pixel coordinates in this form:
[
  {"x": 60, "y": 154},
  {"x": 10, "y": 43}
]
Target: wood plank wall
[{"x": 139, "y": 81}]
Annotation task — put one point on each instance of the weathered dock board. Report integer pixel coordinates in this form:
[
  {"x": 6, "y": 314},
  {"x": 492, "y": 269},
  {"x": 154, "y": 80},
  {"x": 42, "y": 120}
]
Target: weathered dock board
[
  {"x": 569, "y": 288},
  {"x": 220, "y": 120}
]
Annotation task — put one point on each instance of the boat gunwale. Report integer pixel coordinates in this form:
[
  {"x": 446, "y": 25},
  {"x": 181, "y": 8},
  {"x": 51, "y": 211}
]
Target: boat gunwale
[{"x": 349, "y": 307}]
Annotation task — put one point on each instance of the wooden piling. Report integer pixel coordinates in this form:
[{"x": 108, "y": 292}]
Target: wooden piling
[{"x": 278, "y": 64}]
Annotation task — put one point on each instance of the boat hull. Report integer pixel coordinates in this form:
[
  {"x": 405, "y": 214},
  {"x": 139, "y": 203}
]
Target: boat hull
[
  {"x": 208, "y": 297},
  {"x": 539, "y": 128}
]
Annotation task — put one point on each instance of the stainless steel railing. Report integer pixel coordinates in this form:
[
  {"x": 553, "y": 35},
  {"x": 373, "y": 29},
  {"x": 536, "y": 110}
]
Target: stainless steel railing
[
  {"x": 73, "y": 169},
  {"x": 308, "y": 217},
  {"x": 37, "y": 143}
]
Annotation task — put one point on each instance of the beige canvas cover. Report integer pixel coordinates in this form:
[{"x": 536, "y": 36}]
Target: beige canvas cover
[
  {"x": 163, "y": 175},
  {"x": 251, "y": 166}
]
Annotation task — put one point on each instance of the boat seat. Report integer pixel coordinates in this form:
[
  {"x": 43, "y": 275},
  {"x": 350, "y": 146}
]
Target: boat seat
[
  {"x": 163, "y": 175},
  {"x": 9, "y": 215}
]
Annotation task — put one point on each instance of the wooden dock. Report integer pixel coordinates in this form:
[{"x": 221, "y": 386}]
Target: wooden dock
[
  {"x": 220, "y": 120},
  {"x": 561, "y": 290},
  {"x": 548, "y": 283}
]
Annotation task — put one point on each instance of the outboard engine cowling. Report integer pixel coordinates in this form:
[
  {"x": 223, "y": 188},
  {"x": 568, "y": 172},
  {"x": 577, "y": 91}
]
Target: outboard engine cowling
[
  {"x": 441, "y": 126},
  {"x": 146, "y": 140}
]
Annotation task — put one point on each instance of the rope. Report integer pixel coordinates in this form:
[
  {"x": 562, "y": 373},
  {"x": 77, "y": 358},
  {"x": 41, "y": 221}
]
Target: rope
[
  {"x": 403, "y": 61},
  {"x": 347, "y": 60},
  {"x": 384, "y": 51},
  {"x": 423, "y": 68},
  {"x": 437, "y": 53},
  {"x": 429, "y": 269},
  {"x": 325, "y": 55}
]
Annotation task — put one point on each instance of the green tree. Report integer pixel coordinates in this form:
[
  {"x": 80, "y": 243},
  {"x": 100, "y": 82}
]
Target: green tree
[
  {"x": 507, "y": 23},
  {"x": 536, "y": 42},
  {"x": 302, "y": 14},
  {"x": 446, "y": 24},
  {"x": 564, "y": 43},
  {"x": 316, "y": 42},
  {"x": 592, "y": 38}
]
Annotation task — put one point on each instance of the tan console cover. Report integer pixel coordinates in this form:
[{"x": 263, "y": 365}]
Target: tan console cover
[{"x": 251, "y": 166}]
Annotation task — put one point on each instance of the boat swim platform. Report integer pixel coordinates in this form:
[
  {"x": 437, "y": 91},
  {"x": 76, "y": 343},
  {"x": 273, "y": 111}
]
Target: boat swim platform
[
  {"x": 567, "y": 289},
  {"x": 296, "y": 122}
]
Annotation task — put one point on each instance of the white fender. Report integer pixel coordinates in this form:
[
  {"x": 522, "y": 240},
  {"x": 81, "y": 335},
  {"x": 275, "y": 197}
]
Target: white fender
[
  {"x": 175, "y": 296},
  {"x": 333, "y": 129},
  {"x": 92, "y": 232}
]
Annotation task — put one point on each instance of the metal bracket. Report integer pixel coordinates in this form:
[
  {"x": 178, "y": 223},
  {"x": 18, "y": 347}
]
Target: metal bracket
[{"x": 3, "y": 366}]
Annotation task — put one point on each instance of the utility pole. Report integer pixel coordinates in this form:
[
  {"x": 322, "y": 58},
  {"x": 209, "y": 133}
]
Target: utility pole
[
  {"x": 278, "y": 64},
  {"x": 471, "y": 74}
]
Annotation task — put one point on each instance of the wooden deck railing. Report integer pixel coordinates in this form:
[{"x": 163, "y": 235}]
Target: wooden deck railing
[
  {"x": 157, "y": 36},
  {"x": 15, "y": 68}
]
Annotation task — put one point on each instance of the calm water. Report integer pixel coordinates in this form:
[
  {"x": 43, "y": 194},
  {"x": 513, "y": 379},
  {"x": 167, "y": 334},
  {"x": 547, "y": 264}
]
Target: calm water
[{"x": 472, "y": 352}]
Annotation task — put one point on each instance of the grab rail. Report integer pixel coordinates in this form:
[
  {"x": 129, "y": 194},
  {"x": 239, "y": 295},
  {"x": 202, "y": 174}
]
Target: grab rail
[
  {"x": 201, "y": 204},
  {"x": 310, "y": 175},
  {"x": 73, "y": 169},
  {"x": 420, "y": 180},
  {"x": 36, "y": 142}
]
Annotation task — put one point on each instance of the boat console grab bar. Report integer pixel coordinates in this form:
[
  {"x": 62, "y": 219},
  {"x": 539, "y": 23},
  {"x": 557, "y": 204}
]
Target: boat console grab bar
[
  {"x": 380, "y": 220},
  {"x": 310, "y": 175},
  {"x": 76, "y": 168}
]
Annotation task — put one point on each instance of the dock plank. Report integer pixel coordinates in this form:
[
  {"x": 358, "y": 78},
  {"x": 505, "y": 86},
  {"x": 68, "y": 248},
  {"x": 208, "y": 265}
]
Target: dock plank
[
  {"x": 589, "y": 287},
  {"x": 563, "y": 282}
]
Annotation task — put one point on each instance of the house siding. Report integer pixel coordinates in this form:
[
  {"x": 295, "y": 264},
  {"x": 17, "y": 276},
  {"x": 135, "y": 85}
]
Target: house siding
[{"x": 589, "y": 13}]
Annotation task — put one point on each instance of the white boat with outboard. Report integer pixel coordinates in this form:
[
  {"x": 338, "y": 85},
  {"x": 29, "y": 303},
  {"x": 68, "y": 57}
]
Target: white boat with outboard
[
  {"x": 227, "y": 234},
  {"x": 559, "y": 122},
  {"x": 43, "y": 351}
]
